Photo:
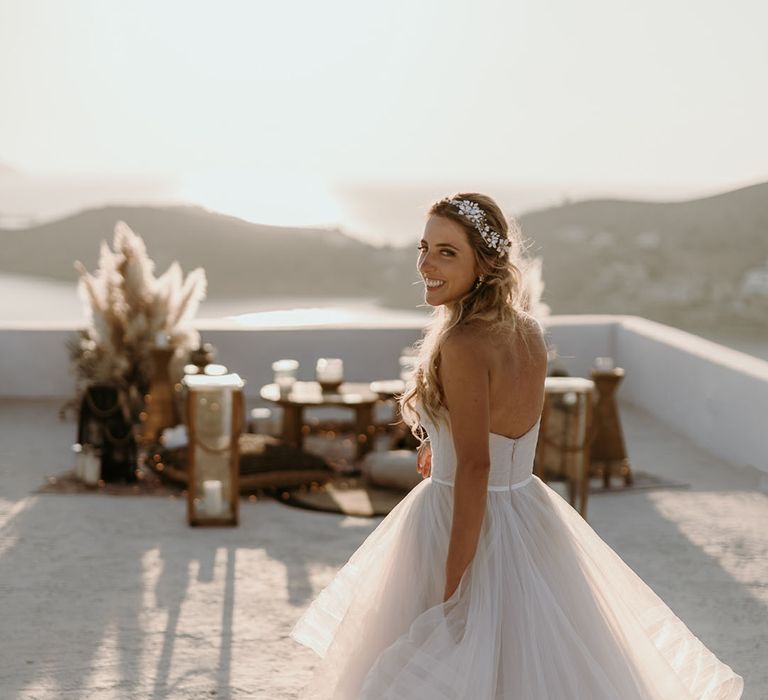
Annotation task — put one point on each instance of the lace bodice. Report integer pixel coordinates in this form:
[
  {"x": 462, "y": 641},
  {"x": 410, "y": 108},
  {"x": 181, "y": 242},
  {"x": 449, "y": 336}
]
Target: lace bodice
[{"x": 511, "y": 458}]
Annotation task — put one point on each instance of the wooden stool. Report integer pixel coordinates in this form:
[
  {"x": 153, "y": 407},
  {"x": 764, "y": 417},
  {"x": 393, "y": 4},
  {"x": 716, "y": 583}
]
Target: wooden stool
[
  {"x": 565, "y": 433},
  {"x": 609, "y": 453}
]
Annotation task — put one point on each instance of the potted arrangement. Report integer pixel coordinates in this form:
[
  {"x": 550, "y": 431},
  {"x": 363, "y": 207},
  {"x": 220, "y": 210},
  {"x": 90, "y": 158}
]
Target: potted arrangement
[{"x": 129, "y": 313}]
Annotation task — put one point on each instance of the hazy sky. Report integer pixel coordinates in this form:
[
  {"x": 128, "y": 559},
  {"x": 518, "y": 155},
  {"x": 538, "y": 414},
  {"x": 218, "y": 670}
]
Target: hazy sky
[{"x": 299, "y": 93}]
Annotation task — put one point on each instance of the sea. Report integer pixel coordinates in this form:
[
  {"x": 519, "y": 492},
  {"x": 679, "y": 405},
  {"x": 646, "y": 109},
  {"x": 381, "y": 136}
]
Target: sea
[{"x": 37, "y": 301}]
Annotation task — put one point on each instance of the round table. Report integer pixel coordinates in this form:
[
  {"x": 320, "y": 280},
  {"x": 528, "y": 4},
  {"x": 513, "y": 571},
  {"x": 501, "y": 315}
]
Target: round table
[{"x": 357, "y": 396}]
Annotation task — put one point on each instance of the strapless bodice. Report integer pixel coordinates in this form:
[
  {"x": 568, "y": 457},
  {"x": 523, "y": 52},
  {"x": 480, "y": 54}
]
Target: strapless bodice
[{"x": 511, "y": 458}]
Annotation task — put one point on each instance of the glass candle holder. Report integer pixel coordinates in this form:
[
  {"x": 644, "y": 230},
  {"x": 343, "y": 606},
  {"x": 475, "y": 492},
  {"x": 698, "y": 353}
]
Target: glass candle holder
[
  {"x": 285, "y": 374},
  {"x": 260, "y": 421},
  {"x": 329, "y": 372}
]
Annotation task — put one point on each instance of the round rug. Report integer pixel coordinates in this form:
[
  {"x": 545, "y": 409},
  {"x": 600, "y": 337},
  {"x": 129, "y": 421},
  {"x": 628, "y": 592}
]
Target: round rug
[{"x": 343, "y": 495}]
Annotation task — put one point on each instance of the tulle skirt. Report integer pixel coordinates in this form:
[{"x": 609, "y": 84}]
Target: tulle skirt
[{"x": 545, "y": 611}]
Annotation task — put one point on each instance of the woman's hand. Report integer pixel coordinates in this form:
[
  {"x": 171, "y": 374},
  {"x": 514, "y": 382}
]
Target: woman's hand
[
  {"x": 450, "y": 588},
  {"x": 424, "y": 459}
]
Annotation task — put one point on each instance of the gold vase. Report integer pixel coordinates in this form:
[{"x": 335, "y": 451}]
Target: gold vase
[{"x": 160, "y": 410}]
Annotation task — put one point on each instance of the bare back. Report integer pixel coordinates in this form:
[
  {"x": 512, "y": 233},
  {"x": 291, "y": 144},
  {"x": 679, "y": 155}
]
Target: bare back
[{"x": 518, "y": 370}]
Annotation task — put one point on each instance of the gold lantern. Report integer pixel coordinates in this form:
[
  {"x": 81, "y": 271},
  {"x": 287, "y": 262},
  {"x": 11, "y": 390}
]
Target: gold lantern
[{"x": 214, "y": 422}]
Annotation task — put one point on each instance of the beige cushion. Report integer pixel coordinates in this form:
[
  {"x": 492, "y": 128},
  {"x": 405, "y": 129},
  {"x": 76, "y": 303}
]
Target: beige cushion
[{"x": 394, "y": 469}]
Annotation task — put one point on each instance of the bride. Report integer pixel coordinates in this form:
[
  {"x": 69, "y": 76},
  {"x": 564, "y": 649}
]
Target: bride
[{"x": 483, "y": 583}]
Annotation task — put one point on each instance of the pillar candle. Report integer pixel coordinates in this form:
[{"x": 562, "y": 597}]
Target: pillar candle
[{"x": 212, "y": 497}]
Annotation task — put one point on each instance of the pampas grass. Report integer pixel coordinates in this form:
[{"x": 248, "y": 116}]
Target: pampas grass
[{"x": 126, "y": 307}]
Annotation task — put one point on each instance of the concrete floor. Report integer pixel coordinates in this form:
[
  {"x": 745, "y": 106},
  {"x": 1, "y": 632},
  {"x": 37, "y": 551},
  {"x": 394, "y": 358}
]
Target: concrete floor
[{"x": 115, "y": 597}]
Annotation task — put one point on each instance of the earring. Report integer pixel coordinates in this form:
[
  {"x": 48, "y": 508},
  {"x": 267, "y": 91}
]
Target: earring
[{"x": 479, "y": 281}]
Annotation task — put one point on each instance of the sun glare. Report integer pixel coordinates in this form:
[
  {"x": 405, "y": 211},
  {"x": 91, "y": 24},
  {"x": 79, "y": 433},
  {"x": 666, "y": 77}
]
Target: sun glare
[{"x": 274, "y": 198}]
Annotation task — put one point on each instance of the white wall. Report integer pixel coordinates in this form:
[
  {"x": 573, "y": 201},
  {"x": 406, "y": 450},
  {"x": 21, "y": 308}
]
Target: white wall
[
  {"x": 580, "y": 339},
  {"x": 715, "y": 395}
]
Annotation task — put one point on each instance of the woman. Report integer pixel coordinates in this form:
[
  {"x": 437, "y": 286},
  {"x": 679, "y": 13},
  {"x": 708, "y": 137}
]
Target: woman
[{"x": 483, "y": 582}]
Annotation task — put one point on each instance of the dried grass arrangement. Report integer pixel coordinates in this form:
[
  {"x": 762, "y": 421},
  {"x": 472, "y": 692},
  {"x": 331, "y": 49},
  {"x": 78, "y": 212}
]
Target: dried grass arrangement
[{"x": 127, "y": 306}]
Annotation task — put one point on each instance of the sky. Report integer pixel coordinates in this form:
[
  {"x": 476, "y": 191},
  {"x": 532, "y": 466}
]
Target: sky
[{"x": 245, "y": 106}]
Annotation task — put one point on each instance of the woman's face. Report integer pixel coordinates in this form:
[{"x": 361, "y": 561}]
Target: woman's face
[{"x": 445, "y": 256}]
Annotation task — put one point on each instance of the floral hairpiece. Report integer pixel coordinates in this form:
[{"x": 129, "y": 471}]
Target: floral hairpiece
[{"x": 472, "y": 211}]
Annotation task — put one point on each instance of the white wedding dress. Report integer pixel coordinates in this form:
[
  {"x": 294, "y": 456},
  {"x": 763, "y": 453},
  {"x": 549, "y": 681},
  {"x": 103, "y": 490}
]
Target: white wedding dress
[{"x": 545, "y": 611}]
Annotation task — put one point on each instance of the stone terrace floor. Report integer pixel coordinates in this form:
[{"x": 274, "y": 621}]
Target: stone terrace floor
[{"x": 115, "y": 597}]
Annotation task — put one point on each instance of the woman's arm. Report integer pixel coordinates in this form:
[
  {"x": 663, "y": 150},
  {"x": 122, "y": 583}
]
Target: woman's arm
[
  {"x": 465, "y": 375},
  {"x": 424, "y": 459}
]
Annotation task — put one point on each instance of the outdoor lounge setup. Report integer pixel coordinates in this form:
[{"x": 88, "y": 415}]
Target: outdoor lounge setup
[{"x": 578, "y": 423}]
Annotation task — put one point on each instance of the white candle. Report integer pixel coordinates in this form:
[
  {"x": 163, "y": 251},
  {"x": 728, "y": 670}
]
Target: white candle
[
  {"x": 285, "y": 375},
  {"x": 329, "y": 369},
  {"x": 212, "y": 497},
  {"x": 284, "y": 383},
  {"x": 604, "y": 364},
  {"x": 285, "y": 366},
  {"x": 91, "y": 467}
]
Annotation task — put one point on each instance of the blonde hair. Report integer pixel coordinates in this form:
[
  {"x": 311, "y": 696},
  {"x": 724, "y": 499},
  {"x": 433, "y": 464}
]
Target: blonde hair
[{"x": 499, "y": 305}]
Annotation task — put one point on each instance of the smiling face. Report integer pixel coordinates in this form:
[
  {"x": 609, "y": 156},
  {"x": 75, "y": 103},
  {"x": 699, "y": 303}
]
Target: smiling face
[{"x": 446, "y": 256}]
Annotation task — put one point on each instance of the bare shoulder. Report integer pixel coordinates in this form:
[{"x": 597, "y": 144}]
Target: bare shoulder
[
  {"x": 532, "y": 332},
  {"x": 467, "y": 343},
  {"x": 532, "y": 350}
]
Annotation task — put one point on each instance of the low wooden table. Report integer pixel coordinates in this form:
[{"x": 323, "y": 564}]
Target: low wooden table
[{"x": 357, "y": 396}]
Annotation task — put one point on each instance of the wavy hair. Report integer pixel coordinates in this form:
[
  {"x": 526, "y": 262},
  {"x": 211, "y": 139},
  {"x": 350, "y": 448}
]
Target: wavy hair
[{"x": 500, "y": 305}]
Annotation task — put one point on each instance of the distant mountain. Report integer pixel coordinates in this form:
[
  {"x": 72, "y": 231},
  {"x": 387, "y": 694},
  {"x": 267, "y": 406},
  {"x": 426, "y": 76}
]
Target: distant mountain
[
  {"x": 700, "y": 262},
  {"x": 241, "y": 259}
]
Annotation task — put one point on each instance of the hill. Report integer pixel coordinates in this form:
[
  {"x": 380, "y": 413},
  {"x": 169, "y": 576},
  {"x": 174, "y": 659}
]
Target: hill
[
  {"x": 697, "y": 263},
  {"x": 241, "y": 259},
  {"x": 672, "y": 261}
]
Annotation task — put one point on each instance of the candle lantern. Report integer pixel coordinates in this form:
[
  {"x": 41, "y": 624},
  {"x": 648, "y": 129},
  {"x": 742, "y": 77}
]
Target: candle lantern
[{"x": 214, "y": 422}]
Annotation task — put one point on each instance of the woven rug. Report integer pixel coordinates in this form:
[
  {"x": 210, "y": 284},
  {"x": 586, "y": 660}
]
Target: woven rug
[
  {"x": 148, "y": 485},
  {"x": 642, "y": 481},
  {"x": 344, "y": 495}
]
